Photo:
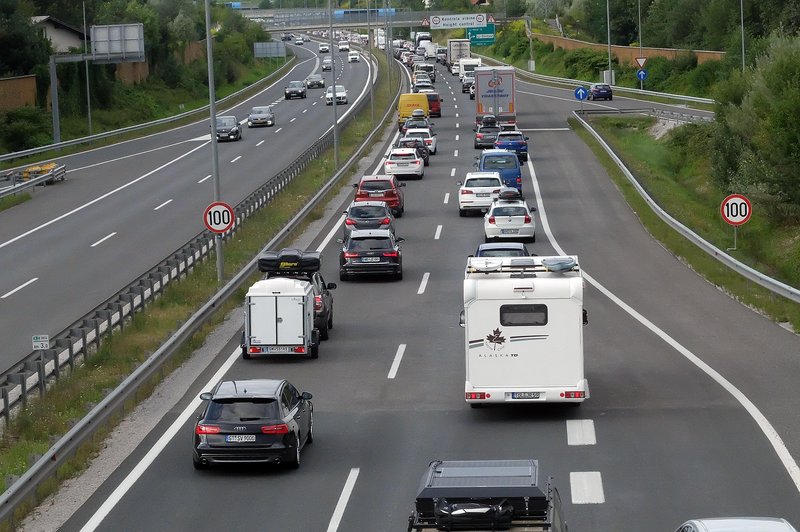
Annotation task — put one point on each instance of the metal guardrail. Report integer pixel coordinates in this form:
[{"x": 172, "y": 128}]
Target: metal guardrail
[
  {"x": 136, "y": 127},
  {"x": 574, "y": 82},
  {"x": 34, "y": 373},
  {"x": 654, "y": 112},
  {"x": 59, "y": 173},
  {"x": 773, "y": 285}
]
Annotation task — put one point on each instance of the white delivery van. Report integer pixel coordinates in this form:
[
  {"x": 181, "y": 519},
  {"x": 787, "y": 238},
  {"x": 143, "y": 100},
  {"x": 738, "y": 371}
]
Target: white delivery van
[
  {"x": 523, "y": 320},
  {"x": 279, "y": 319}
]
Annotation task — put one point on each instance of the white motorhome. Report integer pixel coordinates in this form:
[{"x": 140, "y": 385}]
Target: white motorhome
[
  {"x": 467, "y": 64},
  {"x": 279, "y": 319},
  {"x": 523, "y": 320}
]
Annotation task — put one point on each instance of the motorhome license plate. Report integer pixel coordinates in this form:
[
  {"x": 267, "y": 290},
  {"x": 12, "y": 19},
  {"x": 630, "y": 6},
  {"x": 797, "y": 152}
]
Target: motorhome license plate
[
  {"x": 240, "y": 438},
  {"x": 279, "y": 349},
  {"x": 525, "y": 395},
  {"x": 370, "y": 259},
  {"x": 509, "y": 231}
]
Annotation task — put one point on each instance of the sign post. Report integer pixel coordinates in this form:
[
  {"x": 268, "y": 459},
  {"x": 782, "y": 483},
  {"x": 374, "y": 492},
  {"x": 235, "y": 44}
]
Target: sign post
[
  {"x": 483, "y": 36},
  {"x": 641, "y": 61},
  {"x": 219, "y": 217},
  {"x": 735, "y": 210},
  {"x": 581, "y": 94},
  {"x": 447, "y": 22}
]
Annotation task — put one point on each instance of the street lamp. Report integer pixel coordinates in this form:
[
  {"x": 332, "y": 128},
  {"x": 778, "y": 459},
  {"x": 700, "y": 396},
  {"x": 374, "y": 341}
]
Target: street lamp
[
  {"x": 212, "y": 108},
  {"x": 641, "y": 81},
  {"x": 333, "y": 89},
  {"x": 741, "y": 11},
  {"x": 608, "y": 25},
  {"x": 369, "y": 70}
]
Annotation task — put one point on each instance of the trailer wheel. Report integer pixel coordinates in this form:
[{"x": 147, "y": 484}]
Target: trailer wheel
[
  {"x": 314, "y": 351},
  {"x": 323, "y": 333}
]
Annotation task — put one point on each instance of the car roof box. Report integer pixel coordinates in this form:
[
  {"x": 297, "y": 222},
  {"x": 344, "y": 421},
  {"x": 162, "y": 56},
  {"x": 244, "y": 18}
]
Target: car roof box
[{"x": 290, "y": 261}]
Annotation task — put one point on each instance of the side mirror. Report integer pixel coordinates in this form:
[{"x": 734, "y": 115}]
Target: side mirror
[
  {"x": 527, "y": 138},
  {"x": 461, "y": 322},
  {"x": 459, "y": 183},
  {"x": 339, "y": 241},
  {"x": 355, "y": 185},
  {"x": 306, "y": 396},
  {"x": 206, "y": 396},
  {"x": 344, "y": 212},
  {"x": 475, "y": 164},
  {"x": 585, "y": 317},
  {"x": 331, "y": 286},
  {"x": 399, "y": 239},
  {"x": 533, "y": 209},
  {"x": 475, "y": 129},
  {"x": 402, "y": 184}
]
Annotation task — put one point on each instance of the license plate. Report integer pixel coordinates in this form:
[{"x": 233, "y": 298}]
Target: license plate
[
  {"x": 279, "y": 349},
  {"x": 371, "y": 259},
  {"x": 525, "y": 395},
  {"x": 402, "y": 164},
  {"x": 376, "y": 194},
  {"x": 509, "y": 231},
  {"x": 482, "y": 195},
  {"x": 240, "y": 438}
]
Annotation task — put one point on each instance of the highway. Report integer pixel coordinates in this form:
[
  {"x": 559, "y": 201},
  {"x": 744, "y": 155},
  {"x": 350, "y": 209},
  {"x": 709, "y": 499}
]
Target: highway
[
  {"x": 692, "y": 411},
  {"x": 126, "y": 207}
]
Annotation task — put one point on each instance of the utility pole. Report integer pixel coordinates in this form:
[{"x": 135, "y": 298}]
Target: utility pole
[
  {"x": 212, "y": 106},
  {"x": 333, "y": 89}
]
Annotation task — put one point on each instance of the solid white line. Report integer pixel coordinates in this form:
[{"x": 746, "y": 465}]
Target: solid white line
[
  {"x": 236, "y": 158},
  {"x": 330, "y": 234},
  {"x": 205, "y": 178},
  {"x": 581, "y": 432},
  {"x": 104, "y": 238},
  {"x": 315, "y": 103},
  {"x": 438, "y": 232},
  {"x": 586, "y": 487},
  {"x": 424, "y": 283},
  {"x": 20, "y": 287},
  {"x": 452, "y": 172},
  {"x": 260, "y": 142},
  {"x": 304, "y": 110},
  {"x": 763, "y": 423},
  {"x": 455, "y": 153},
  {"x": 278, "y": 130},
  {"x": 154, "y": 451},
  {"x": 99, "y": 198},
  {"x": 347, "y": 490},
  {"x": 292, "y": 120},
  {"x": 165, "y": 203},
  {"x": 456, "y": 137},
  {"x": 548, "y": 129},
  {"x": 446, "y": 197},
  {"x": 398, "y": 356}
]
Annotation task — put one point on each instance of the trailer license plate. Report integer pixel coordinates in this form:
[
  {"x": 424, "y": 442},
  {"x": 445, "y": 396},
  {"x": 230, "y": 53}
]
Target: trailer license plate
[
  {"x": 525, "y": 395},
  {"x": 279, "y": 349},
  {"x": 509, "y": 231},
  {"x": 240, "y": 438}
]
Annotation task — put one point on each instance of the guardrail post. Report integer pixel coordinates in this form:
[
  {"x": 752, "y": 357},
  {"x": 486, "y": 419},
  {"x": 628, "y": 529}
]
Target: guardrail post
[
  {"x": 48, "y": 355},
  {"x": 67, "y": 342},
  {"x": 80, "y": 333},
  {"x": 37, "y": 365},
  {"x": 6, "y": 404},
  {"x": 92, "y": 323},
  {"x": 137, "y": 291},
  {"x": 20, "y": 379}
]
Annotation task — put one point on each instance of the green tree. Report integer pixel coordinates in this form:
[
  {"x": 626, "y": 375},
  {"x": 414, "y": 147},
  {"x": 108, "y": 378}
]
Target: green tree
[{"x": 23, "y": 46}]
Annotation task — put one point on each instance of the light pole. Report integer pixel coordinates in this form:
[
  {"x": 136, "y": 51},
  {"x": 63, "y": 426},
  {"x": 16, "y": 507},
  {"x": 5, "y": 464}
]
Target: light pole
[
  {"x": 212, "y": 107},
  {"x": 369, "y": 69},
  {"x": 741, "y": 11},
  {"x": 86, "y": 65},
  {"x": 608, "y": 26},
  {"x": 641, "y": 81},
  {"x": 333, "y": 89}
]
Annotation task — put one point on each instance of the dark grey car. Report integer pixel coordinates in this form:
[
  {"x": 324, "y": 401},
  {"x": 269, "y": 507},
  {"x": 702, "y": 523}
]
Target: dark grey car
[
  {"x": 485, "y": 136},
  {"x": 315, "y": 81},
  {"x": 295, "y": 89},
  {"x": 261, "y": 116},
  {"x": 368, "y": 215}
]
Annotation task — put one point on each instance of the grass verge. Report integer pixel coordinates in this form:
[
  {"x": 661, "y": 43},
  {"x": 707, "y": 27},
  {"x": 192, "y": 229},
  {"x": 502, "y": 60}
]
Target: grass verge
[
  {"x": 675, "y": 172},
  {"x": 42, "y": 422}
]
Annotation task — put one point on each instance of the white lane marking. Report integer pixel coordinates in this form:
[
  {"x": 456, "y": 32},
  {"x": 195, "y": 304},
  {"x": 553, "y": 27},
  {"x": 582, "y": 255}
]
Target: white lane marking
[
  {"x": 452, "y": 172},
  {"x": 446, "y": 197},
  {"x": 204, "y": 179},
  {"x": 278, "y": 130},
  {"x": 260, "y": 142},
  {"x": 104, "y": 238},
  {"x": 763, "y": 423},
  {"x": 456, "y": 117},
  {"x": 586, "y": 487},
  {"x": 304, "y": 110},
  {"x": 163, "y": 204},
  {"x": 548, "y": 129},
  {"x": 454, "y": 98},
  {"x": 438, "y": 232},
  {"x": 330, "y": 234},
  {"x": 581, "y": 432},
  {"x": 398, "y": 356},
  {"x": 424, "y": 283},
  {"x": 455, "y": 107},
  {"x": 156, "y": 449},
  {"x": 99, "y": 198},
  {"x": 206, "y": 138},
  {"x": 236, "y": 158},
  {"x": 347, "y": 490},
  {"x": 455, "y": 153},
  {"x": 292, "y": 120},
  {"x": 315, "y": 103},
  {"x": 457, "y": 137},
  {"x": 456, "y": 124},
  {"x": 20, "y": 287}
]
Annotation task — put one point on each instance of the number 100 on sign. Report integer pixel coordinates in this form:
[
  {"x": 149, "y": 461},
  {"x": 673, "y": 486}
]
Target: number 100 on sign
[
  {"x": 736, "y": 209},
  {"x": 218, "y": 217}
]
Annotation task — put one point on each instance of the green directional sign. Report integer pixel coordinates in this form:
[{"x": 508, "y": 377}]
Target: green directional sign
[{"x": 481, "y": 36}]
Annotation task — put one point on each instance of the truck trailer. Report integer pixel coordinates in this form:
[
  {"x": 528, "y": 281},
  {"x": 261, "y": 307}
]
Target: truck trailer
[
  {"x": 456, "y": 49},
  {"x": 495, "y": 90}
]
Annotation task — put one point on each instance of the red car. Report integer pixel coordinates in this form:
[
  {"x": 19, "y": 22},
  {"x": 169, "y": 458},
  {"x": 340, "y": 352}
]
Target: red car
[
  {"x": 382, "y": 188},
  {"x": 434, "y": 104}
]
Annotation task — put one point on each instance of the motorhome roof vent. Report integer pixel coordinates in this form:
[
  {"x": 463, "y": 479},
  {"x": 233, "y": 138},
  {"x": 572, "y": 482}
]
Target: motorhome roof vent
[{"x": 559, "y": 264}]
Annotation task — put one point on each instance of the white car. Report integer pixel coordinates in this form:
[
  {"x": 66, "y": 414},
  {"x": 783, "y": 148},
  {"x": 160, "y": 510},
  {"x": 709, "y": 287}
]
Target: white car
[
  {"x": 344, "y": 46},
  {"x": 426, "y": 135},
  {"x": 509, "y": 217},
  {"x": 353, "y": 57},
  {"x": 327, "y": 63},
  {"x": 478, "y": 191},
  {"x": 299, "y": 41},
  {"x": 324, "y": 48},
  {"x": 454, "y": 69},
  {"x": 404, "y": 161},
  {"x": 341, "y": 95}
]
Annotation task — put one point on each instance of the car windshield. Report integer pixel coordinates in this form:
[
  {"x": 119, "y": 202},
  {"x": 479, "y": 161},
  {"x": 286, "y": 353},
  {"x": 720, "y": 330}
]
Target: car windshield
[
  {"x": 367, "y": 244},
  {"x": 482, "y": 182},
  {"x": 295, "y": 84},
  {"x": 226, "y": 121},
  {"x": 510, "y": 211},
  {"x": 238, "y": 410},
  {"x": 499, "y": 162},
  {"x": 314, "y": 77},
  {"x": 260, "y": 111},
  {"x": 375, "y": 186},
  {"x": 367, "y": 211}
]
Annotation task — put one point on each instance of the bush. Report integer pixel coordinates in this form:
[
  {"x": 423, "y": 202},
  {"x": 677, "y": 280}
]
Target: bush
[{"x": 26, "y": 127}]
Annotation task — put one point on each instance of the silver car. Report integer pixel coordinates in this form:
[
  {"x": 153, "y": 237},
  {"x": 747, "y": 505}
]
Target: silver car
[
  {"x": 509, "y": 217},
  {"x": 341, "y": 95},
  {"x": 737, "y": 524},
  {"x": 368, "y": 215},
  {"x": 261, "y": 116}
]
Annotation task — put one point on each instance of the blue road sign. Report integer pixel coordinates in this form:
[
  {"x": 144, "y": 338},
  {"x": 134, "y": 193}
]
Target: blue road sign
[
  {"x": 581, "y": 93},
  {"x": 641, "y": 74}
]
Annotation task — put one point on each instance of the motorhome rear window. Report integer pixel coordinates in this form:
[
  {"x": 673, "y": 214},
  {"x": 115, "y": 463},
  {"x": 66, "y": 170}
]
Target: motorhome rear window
[{"x": 523, "y": 315}]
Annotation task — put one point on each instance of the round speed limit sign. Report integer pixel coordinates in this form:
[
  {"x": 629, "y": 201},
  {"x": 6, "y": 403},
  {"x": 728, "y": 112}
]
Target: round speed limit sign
[
  {"x": 218, "y": 217},
  {"x": 736, "y": 209}
]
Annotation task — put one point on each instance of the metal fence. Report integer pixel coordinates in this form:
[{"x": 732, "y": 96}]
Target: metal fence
[
  {"x": 19, "y": 183},
  {"x": 79, "y": 340}
]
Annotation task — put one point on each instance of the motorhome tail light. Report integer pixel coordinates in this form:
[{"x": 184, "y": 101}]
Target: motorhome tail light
[
  {"x": 390, "y": 254},
  {"x": 350, "y": 254},
  {"x": 206, "y": 429},
  {"x": 317, "y": 303},
  {"x": 527, "y": 219},
  {"x": 254, "y": 349},
  {"x": 476, "y": 395},
  {"x": 573, "y": 395},
  {"x": 350, "y": 221},
  {"x": 465, "y": 191},
  {"x": 386, "y": 221},
  {"x": 491, "y": 219},
  {"x": 299, "y": 349},
  {"x": 281, "y": 428}
]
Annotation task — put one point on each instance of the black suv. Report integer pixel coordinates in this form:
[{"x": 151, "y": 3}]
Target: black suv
[
  {"x": 303, "y": 265},
  {"x": 294, "y": 89}
]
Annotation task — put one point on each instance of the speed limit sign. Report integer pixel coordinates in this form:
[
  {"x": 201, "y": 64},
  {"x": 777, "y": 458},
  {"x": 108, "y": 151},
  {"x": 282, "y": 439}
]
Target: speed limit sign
[
  {"x": 736, "y": 209},
  {"x": 218, "y": 217}
]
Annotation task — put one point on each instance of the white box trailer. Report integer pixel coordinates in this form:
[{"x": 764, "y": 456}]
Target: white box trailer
[
  {"x": 523, "y": 320},
  {"x": 495, "y": 90},
  {"x": 279, "y": 319}
]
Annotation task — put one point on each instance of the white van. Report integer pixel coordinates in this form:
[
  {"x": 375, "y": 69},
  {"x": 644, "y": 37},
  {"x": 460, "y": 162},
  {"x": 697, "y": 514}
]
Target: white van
[
  {"x": 523, "y": 324},
  {"x": 353, "y": 57},
  {"x": 344, "y": 46}
]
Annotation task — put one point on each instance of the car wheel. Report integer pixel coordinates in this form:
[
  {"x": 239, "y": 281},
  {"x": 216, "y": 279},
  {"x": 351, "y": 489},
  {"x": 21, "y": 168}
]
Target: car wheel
[
  {"x": 343, "y": 276},
  {"x": 198, "y": 464},
  {"x": 476, "y": 146},
  {"x": 487, "y": 239},
  {"x": 609, "y": 99},
  {"x": 310, "y": 437},
  {"x": 330, "y": 319},
  {"x": 399, "y": 213},
  {"x": 476, "y": 405},
  {"x": 426, "y": 162},
  {"x": 398, "y": 276},
  {"x": 294, "y": 462},
  {"x": 462, "y": 212},
  {"x": 533, "y": 238},
  {"x": 323, "y": 333}
]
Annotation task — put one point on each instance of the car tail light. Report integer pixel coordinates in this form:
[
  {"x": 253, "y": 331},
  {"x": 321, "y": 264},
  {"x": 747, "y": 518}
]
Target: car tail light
[
  {"x": 317, "y": 302},
  {"x": 573, "y": 395},
  {"x": 390, "y": 254},
  {"x": 206, "y": 429},
  {"x": 299, "y": 349},
  {"x": 390, "y": 193},
  {"x": 281, "y": 428},
  {"x": 416, "y": 161},
  {"x": 350, "y": 221},
  {"x": 519, "y": 181},
  {"x": 428, "y": 141},
  {"x": 389, "y": 162},
  {"x": 477, "y": 395},
  {"x": 527, "y": 219},
  {"x": 350, "y": 254},
  {"x": 496, "y": 191},
  {"x": 386, "y": 221},
  {"x": 478, "y": 135},
  {"x": 466, "y": 192},
  {"x": 491, "y": 219}
]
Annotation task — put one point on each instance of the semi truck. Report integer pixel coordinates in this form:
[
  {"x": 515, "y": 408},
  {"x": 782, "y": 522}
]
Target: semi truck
[
  {"x": 495, "y": 91},
  {"x": 456, "y": 49},
  {"x": 523, "y": 324}
]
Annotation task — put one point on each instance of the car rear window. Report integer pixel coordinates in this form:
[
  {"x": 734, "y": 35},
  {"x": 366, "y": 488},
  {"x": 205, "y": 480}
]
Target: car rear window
[
  {"x": 482, "y": 182},
  {"x": 412, "y": 123},
  {"x": 402, "y": 156},
  {"x": 374, "y": 186},
  {"x": 238, "y": 410},
  {"x": 367, "y": 244},
  {"x": 433, "y": 97},
  {"x": 367, "y": 211},
  {"x": 226, "y": 121},
  {"x": 509, "y": 211},
  {"x": 501, "y": 253},
  {"x": 495, "y": 162},
  {"x": 515, "y": 136},
  {"x": 489, "y": 129}
]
